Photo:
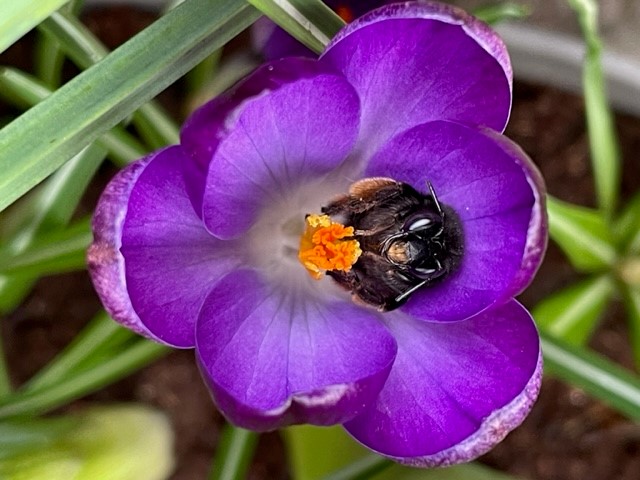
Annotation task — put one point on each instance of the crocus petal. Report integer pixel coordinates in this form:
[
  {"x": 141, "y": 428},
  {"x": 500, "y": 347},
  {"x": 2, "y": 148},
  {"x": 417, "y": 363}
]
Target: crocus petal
[
  {"x": 171, "y": 261},
  {"x": 104, "y": 260},
  {"x": 497, "y": 193},
  {"x": 273, "y": 358},
  {"x": 275, "y": 142},
  {"x": 456, "y": 389},
  {"x": 208, "y": 126},
  {"x": 415, "y": 62}
]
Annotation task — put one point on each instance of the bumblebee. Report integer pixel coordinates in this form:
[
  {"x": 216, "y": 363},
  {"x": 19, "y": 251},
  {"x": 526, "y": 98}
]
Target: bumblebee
[{"x": 408, "y": 240}]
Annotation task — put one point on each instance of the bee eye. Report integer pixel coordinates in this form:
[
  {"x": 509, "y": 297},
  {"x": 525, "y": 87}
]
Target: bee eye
[{"x": 419, "y": 224}]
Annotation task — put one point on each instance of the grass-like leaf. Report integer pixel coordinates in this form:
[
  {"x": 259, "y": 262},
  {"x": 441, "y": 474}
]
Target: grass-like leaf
[
  {"x": 309, "y": 21},
  {"x": 595, "y": 374},
  {"x": 49, "y": 208},
  {"x": 23, "y": 89},
  {"x": 605, "y": 155},
  {"x": 50, "y": 133},
  {"x": 18, "y": 17},
  {"x": 117, "y": 366},
  {"x": 572, "y": 314},
  {"x": 627, "y": 227},
  {"x": 51, "y": 253},
  {"x": 582, "y": 234},
  {"x": 85, "y": 49}
]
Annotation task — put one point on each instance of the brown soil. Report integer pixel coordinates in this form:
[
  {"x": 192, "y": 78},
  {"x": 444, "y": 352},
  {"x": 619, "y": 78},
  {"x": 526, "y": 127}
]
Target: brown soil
[{"x": 568, "y": 435}]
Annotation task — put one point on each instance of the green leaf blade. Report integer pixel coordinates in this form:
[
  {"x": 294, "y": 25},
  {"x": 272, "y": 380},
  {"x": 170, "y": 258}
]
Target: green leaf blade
[
  {"x": 111, "y": 90},
  {"x": 309, "y": 21},
  {"x": 593, "y": 373},
  {"x": 582, "y": 234},
  {"x": 572, "y": 313},
  {"x": 17, "y": 18}
]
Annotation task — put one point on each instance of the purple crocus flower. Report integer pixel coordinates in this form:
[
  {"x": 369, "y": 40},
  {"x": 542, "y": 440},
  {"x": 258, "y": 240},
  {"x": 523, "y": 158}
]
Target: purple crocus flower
[
  {"x": 272, "y": 42},
  {"x": 204, "y": 245}
]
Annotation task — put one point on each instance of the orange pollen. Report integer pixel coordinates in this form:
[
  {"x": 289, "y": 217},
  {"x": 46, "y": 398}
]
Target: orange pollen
[
  {"x": 345, "y": 13},
  {"x": 327, "y": 245}
]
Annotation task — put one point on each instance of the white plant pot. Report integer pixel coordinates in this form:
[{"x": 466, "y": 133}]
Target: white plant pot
[{"x": 555, "y": 59}]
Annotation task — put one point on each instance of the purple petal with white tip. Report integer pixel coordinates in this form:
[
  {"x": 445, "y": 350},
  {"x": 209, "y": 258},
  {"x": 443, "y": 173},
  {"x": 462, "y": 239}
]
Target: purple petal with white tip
[
  {"x": 274, "y": 358},
  {"x": 455, "y": 389},
  {"x": 104, "y": 260}
]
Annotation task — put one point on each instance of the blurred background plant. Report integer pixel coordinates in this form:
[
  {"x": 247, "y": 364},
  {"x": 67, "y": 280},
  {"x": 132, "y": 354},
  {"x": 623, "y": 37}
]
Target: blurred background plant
[{"x": 104, "y": 112}]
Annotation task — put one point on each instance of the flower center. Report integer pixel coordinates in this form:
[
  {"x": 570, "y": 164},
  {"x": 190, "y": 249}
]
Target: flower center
[{"x": 327, "y": 245}]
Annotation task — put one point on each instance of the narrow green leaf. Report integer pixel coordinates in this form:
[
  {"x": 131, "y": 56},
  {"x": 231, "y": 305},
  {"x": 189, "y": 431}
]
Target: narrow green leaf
[
  {"x": 23, "y": 89},
  {"x": 605, "y": 155},
  {"x": 590, "y": 371},
  {"x": 309, "y": 21},
  {"x": 18, "y": 17},
  {"x": 48, "y": 61},
  {"x": 572, "y": 314},
  {"x": 627, "y": 227},
  {"x": 631, "y": 298},
  {"x": 100, "y": 332},
  {"x": 582, "y": 234},
  {"x": 49, "y": 58},
  {"x": 203, "y": 73},
  {"x": 502, "y": 12},
  {"x": 317, "y": 451},
  {"x": 50, "y": 253},
  {"x": 85, "y": 49},
  {"x": 49, "y": 209},
  {"x": 112, "y": 369},
  {"x": 97, "y": 99},
  {"x": 234, "y": 454}
]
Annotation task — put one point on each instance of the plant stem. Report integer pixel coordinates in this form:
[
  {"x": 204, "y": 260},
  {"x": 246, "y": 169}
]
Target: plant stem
[
  {"x": 362, "y": 469},
  {"x": 234, "y": 454}
]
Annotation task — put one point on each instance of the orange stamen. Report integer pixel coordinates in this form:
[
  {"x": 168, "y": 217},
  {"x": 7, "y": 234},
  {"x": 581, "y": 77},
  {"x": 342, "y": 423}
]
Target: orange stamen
[{"x": 327, "y": 245}]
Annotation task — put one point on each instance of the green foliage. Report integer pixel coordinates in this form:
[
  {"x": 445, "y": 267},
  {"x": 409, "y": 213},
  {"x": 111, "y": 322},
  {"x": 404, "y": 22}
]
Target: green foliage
[
  {"x": 309, "y": 21},
  {"x": 17, "y": 18},
  {"x": 80, "y": 123},
  {"x": 572, "y": 314}
]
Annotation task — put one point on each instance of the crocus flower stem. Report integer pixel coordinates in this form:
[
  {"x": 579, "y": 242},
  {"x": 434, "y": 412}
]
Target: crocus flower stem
[
  {"x": 234, "y": 453},
  {"x": 362, "y": 469}
]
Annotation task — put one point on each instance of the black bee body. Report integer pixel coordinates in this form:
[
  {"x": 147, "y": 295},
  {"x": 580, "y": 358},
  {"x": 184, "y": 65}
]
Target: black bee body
[{"x": 408, "y": 240}]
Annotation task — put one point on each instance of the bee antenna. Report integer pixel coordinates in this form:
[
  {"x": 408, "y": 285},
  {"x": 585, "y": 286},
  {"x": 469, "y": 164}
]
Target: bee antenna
[
  {"x": 404, "y": 295},
  {"x": 435, "y": 198}
]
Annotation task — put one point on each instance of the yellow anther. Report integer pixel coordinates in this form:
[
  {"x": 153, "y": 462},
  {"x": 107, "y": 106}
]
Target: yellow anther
[{"x": 327, "y": 245}]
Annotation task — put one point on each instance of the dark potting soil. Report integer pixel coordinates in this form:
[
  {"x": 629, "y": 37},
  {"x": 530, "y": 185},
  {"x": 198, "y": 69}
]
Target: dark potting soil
[{"x": 568, "y": 436}]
